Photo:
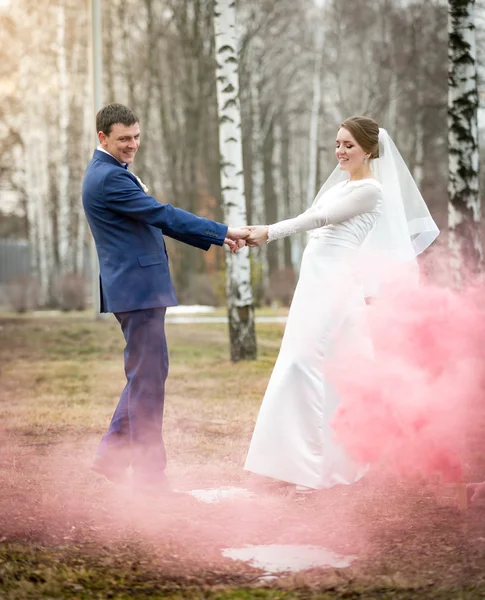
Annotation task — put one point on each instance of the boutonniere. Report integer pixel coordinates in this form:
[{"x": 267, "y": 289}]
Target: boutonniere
[{"x": 143, "y": 186}]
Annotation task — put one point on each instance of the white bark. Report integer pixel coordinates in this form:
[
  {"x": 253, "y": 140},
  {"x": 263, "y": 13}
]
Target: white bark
[
  {"x": 46, "y": 262},
  {"x": 63, "y": 212},
  {"x": 258, "y": 206},
  {"x": 86, "y": 147},
  {"x": 314, "y": 118},
  {"x": 238, "y": 283},
  {"x": 419, "y": 149},
  {"x": 298, "y": 168},
  {"x": 464, "y": 209},
  {"x": 392, "y": 109},
  {"x": 418, "y": 170},
  {"x": 35, "y": 138},
  {"x": 32, "y": 214},
  {"x": 36, "y": 161},
  {"x": 298, "y": 242},
  {"x": 28, "y": 161},
  {"x": 279, "y": 189}
]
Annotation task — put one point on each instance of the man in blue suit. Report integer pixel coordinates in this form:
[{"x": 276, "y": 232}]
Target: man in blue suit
[{"x": 128, "y": 227}]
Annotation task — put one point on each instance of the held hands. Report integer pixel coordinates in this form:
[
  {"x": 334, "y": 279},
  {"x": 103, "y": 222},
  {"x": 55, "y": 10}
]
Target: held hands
[
  {"x": 252, "y": 236},
  {"x": 258, "y": 235},
  {"x": 235, "y": 238}
]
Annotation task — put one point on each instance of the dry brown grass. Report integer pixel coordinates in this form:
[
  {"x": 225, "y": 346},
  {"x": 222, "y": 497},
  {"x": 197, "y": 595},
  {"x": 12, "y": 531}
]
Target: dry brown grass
[{"x": 66, "y": 533}]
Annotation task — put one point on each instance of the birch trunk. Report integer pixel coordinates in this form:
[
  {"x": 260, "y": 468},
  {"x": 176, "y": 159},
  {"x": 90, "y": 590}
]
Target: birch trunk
[
  {"x": 417, "y": 159},
  {"x": 108, "y": 16},
  {"x": 37, "y": 190},
  {"x": 464, "y": 200},
  {"x": 127, "y": 64},
  {"x": 279, "y": 189},
  {"x": 286, "y": 187},
  {"x": 299, "y": 242},
  {"x": 27, "y": 120},
  {"x": 392, "y": 110},
  {"x": 35, "y": 143},
  {"x": 86, "y": 147},
  {"x": 418, "y": 170},
  {"x": 46, "y": 247},
  {"x": 297, "y": 198},
  {"x": 32, "y": 214},
  {"x": 314, "y": 118},
  {"x": 238, "y": 285},
  {"x": 258, "y": 205},
  {"x": 63, "y": 211}
]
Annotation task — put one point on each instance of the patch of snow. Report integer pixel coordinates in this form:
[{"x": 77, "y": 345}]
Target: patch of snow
[
  {"x": 210, "y": 496},
  {"x": 277, "y": 558},
  {"x": 189, "y": 309}
]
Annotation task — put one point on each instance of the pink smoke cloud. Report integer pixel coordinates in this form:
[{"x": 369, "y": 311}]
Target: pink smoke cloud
[{"x": 411, "y": 405}]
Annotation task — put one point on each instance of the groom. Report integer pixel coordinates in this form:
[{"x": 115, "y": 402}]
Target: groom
[{"x": 128, "y": 226}]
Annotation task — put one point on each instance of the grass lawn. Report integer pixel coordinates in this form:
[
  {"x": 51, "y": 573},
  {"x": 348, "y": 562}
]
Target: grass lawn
[{"x": 65, "y": 533}]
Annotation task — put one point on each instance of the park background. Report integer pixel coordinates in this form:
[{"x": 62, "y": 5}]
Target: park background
[{"x": 304, "y": 66}]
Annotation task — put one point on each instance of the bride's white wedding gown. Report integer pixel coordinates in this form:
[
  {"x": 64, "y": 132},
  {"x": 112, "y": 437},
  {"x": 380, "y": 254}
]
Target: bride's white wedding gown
[{"x": 292, "y": 439}]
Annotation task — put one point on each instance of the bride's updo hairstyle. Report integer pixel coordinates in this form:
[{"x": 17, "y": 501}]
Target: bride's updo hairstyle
[{"x": 365, "y": 131}]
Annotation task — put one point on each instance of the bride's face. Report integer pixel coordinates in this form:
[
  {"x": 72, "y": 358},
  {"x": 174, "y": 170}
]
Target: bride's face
[{"x": 349, "y": 154}]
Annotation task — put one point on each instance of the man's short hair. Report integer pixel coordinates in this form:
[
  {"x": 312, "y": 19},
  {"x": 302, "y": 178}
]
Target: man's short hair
[{"x": 112, "y": 114}]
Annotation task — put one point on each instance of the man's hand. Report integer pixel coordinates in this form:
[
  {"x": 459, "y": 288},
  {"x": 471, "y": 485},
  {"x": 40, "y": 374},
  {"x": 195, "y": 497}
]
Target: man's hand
[
  {"x": 235, "y": 238},
  {"x": 234, "y": 246},
  {"x": 238, "y": 233},
  {"x": 258, "y": 235}
]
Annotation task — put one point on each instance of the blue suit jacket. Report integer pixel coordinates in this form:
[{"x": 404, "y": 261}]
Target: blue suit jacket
[{"x": 127, "y": 226}]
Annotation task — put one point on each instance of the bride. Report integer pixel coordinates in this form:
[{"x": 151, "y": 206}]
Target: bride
[{"x": 369, "y": 206}]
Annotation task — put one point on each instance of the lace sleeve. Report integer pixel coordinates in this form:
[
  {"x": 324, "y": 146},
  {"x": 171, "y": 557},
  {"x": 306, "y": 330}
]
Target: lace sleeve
[
  {"x": 361, "y": 199},
  {"x": 289, "y": 226}
]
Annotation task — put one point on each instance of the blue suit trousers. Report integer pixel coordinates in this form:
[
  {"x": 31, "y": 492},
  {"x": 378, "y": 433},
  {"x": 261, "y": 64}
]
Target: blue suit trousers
[{"x": 135, "y": 433}]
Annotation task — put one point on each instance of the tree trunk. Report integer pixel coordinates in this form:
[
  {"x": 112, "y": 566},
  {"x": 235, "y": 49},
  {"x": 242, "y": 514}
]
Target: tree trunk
[
  {"x": 108, "y": 16},
  {"x": 417, "y": 157},
  {"x": 314, "y": 118},
  {"x": 32, "y": 213},
  {"x": 128, "y": 69},
  {"x": 238, "y": 285},
  {"x": 142, "y": 164},
  {"x": 287, "y": 188},
  {"x": 86, "y": 147},
  {"x": 278, "y": 188},
  {"x": 37, "y": 176},
  {"x": 63, "y": 210},
  {"x": 258, "y": 211},
  {"x": 464, "y": 200},
  {"x": 297, "y": 186},
  {"x": 269, "y": 192}
]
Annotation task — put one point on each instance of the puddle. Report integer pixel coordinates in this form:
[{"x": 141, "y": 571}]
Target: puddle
[
  {"x": 277, "y": 558},
  {"x": 189, "y": 309},
  {"x": 217, "y": 494}
]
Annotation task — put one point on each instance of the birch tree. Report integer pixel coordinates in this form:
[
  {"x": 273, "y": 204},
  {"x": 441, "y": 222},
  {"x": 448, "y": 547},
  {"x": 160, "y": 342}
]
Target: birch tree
[
  {"x": 464, "y": 200},
  {"x": 238, "y": 287},
  {"x": 258, "y": 212},
  {"x": 41, "y": 234},
  {"x": 315, "y": 114},
  {"x": 36, "y": 143},
  {"x": 313, "y": 130},
  {"x": 63, "y": 208},
  {"x": 384, "y": 58}
]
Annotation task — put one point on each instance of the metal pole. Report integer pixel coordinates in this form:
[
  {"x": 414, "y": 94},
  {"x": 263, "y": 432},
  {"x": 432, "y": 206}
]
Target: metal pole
[{"x": 96, "y": 76}]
